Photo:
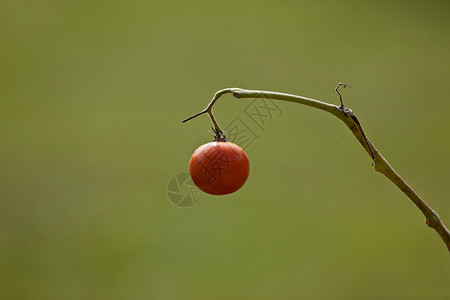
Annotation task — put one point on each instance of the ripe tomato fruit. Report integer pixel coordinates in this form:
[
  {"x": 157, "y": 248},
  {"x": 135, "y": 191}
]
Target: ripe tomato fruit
[{"x": 219, "y": 168}]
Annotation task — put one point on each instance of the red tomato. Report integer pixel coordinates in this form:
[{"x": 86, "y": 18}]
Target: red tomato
[{"x": 219, "y": 168}]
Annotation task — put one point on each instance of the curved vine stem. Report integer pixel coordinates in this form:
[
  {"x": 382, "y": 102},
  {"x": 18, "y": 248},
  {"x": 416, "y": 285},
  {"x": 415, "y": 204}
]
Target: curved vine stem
[
  {"x": 345, "y": 115},
  {"x": 208, "y": 110}
]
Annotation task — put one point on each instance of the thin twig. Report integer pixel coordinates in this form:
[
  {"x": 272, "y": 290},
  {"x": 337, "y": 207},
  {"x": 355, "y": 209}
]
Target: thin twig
[
  {"x": 208, "y": 110},
  {"x": 346, "y": 115}
]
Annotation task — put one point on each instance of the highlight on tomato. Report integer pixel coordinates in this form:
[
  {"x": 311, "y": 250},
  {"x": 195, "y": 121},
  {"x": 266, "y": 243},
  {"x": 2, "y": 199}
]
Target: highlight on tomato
[{"x": 219, "y": 167}]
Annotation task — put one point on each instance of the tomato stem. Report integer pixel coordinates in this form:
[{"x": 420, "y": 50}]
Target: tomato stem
[{"x": 219, "y": 135}]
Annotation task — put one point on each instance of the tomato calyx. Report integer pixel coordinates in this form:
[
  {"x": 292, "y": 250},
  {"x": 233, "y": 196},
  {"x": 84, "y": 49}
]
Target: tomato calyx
[{"x": 219, "y": 135}]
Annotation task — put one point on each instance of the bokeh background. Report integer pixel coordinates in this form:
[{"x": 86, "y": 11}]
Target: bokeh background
[{"x": 91, "y": 99}]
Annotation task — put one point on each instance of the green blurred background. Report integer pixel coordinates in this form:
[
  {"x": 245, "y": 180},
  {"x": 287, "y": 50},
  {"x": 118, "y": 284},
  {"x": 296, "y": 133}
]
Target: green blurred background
[{"x": 91, "y": 99}]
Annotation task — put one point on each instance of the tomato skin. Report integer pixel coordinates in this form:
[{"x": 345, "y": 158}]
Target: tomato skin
[{"x": 219, "y": 168}]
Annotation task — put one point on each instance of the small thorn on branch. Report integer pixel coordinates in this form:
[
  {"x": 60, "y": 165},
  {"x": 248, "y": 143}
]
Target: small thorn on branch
[{"x": 432, "y": 222}]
